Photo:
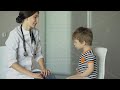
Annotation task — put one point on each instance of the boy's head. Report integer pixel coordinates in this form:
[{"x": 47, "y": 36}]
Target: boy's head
[{"x": 82, "y": 36}]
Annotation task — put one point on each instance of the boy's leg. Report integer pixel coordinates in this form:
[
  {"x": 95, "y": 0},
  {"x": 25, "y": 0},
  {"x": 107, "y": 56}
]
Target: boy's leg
[{"x": 77, "y": 77}]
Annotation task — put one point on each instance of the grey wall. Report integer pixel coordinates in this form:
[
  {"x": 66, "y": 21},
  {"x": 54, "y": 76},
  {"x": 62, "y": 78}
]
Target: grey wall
[
  {"x": 78, "y": 18},
  {"x": 106, "y": 29},
  {"x": 105, "y": 26},
  {"x": 7, "y": 23}
]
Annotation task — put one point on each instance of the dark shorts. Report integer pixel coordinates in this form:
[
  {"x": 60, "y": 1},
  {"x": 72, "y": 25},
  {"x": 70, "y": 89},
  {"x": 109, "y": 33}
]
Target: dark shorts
[{"x": 51, "y": 76}]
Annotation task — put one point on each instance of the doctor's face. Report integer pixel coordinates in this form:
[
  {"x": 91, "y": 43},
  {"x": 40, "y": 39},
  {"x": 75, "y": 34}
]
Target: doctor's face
[{"x": 33, "y": 20}]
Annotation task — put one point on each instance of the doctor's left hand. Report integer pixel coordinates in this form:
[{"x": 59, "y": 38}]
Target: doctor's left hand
[{"x": 45, "y": 72}]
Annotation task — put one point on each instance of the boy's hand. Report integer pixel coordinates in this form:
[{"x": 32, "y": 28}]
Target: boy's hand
[{"x": 77, "y": 70}]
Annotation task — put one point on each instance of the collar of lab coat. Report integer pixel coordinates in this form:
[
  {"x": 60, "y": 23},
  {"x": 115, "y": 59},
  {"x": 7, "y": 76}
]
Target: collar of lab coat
[{"x": 25, "y": 32}]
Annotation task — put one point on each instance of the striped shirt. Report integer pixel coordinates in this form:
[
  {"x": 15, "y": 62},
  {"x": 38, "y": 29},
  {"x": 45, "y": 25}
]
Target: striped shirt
[{"x": 86, "y": 58}]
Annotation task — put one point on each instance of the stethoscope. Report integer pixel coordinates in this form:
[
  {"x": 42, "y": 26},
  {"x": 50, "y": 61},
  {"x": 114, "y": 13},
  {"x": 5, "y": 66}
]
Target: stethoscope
[{"x": 24, "y": 45}]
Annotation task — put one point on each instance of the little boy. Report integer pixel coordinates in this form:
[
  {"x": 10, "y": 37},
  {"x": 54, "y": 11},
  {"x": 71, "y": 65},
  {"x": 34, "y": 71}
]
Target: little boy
[{"x": 87, "y": 66}]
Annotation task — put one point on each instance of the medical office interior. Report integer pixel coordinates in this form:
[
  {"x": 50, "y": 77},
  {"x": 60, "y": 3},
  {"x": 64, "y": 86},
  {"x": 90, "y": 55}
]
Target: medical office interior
[{"x": 56, "y": 28}]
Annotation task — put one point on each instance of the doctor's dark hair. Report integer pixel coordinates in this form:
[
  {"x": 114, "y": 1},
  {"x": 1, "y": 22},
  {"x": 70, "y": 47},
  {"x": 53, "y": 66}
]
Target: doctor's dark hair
[{"x": 24, "y": 14}]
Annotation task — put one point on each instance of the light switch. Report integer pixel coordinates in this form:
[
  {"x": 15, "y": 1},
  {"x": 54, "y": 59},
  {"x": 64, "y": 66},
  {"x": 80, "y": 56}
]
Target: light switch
[{"x": 4, "y": 34}]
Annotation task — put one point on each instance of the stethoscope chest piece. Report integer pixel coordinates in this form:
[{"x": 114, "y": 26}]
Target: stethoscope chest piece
[{"x": 25, "y": 54}]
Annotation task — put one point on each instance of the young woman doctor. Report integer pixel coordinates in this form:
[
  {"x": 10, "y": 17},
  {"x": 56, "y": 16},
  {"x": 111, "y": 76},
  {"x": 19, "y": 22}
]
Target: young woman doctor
[{"x": 24, "y": 46}]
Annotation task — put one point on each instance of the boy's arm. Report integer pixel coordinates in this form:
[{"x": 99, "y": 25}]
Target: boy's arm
[{"x": 89, "y": 70}]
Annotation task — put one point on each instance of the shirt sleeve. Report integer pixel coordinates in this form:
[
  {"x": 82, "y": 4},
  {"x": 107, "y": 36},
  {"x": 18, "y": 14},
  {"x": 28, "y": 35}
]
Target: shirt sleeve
[
  {"x": 90, "y": 57},
  {"x": 38, "y": 50},
  {"x": 12, "y": 45}
]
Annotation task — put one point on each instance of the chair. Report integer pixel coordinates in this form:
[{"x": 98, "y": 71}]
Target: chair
[
  {"x": 3, "y": 61},
  {"x": 101, "y": 56}
]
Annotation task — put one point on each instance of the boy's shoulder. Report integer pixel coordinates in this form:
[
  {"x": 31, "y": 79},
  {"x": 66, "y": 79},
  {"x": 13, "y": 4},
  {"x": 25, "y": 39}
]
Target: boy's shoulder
[{"x": 88, "y": 54}]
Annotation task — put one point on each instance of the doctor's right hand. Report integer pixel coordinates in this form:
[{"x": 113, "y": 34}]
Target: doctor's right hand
[{"x": 37, "y": 76}]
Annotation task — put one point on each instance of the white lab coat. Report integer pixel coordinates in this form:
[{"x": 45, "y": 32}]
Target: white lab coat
[{"x": 15, "y": 47}]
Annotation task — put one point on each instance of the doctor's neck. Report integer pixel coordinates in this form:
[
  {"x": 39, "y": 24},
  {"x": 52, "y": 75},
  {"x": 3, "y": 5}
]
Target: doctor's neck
[{"x": 26, "y": 26}]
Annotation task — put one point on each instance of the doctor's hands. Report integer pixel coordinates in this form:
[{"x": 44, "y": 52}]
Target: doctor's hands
[
  {"x": 37, "y": 75},
  {"x": 45, "y": 72}
]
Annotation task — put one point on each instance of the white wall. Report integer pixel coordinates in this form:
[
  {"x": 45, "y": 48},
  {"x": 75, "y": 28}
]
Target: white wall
[{"x": 58, "y": 38}]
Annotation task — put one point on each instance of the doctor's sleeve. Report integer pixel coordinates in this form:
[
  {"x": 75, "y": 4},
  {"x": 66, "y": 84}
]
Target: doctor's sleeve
[
  {"x": 12, "y": 45},
  {"x": 38, "y": 50}
]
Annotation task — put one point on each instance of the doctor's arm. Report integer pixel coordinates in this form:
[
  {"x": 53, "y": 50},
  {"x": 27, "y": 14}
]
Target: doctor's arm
[
  {"x": 45, "y": 71},
  {"x": 40, "y": 58},
  {"x": 21, "y": 69},
  {"x": 41, "y": 63}
]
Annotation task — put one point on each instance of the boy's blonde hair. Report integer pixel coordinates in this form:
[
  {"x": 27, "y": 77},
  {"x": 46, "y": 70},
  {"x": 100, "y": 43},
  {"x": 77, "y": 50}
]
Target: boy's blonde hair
[{"x": 83, "y": 34}]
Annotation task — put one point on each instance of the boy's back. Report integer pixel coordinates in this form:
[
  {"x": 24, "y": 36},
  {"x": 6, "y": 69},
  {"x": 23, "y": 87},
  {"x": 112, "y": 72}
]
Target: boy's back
[{"x": 88, "y": 57}]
